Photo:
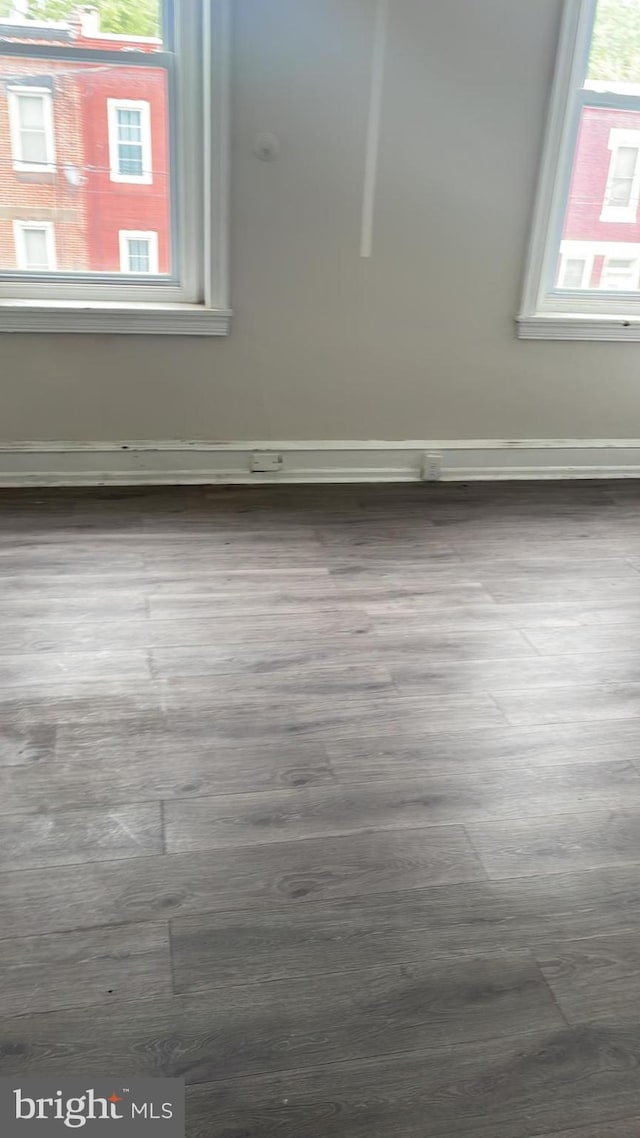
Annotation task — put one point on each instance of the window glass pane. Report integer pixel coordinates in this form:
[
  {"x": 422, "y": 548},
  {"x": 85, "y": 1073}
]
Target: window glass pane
[
  {"x": 34, "y": 147},
  {"x": 138, "y": 256},
  {"x": 615, "y": 48},
  {"x": 130, "y": 160},
  {"x": 573, "y": 273},
  {"x": 35, "y": 248},
  {"x": 31, "y": 111},
  {"x": 602, "y": 217},
  {"x": 80, "y": 195},
  {"x": 67, "y": 20},
  {"x": 626, "y": 161}
]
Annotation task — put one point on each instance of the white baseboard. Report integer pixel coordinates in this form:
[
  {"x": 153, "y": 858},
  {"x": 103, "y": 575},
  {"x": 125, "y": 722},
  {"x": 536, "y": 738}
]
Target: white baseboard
[{"x": 184, "y": 463}]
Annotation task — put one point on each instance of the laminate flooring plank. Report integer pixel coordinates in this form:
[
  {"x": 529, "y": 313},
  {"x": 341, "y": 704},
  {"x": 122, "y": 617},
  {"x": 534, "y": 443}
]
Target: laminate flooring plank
[
  {"x": 597, "y": 978},
  {"x": 414, "y": 756},
  {"x": 509, "y": 1088},
  {"x": 554, "y": 568},
  {"x": 305, "y": 669},
  {"x": 99, "y": 767},
  {"x": 571, "y": 703},
  {"x": 213, "y": 949},
  {"x": 26, "y": 745},
  {"x": 414, "y": 673},
  {"x": 273, "y": 816},
  {"x": 24, "y": 669},
  {"x": 616, "y": 637},
  {"x": 426, "y": 645},
  {"x": 191, "y": 598},
  {"x": 153, "y": 888},
  {"x": 32, "y": 608},
  {"x": 539, "y": 588},
  {"x": 244, "y": 1030},
  {"x": 84, "y": 969},
  {"x": 544, "y": 844},
  {"x": 276, "y": 709},
  {"x": 67, "y": 837},
  {"x": 113, "y": 700},
  {"x": 623, "y": 1128}
]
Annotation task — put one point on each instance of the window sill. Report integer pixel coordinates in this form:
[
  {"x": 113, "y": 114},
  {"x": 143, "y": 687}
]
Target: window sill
[
  {"x": 578, "y": 326},
  {"x": 121, "y": 319}
]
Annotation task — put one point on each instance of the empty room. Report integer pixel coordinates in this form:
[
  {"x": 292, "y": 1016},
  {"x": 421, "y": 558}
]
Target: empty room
[{"x": 320, "y": 568}]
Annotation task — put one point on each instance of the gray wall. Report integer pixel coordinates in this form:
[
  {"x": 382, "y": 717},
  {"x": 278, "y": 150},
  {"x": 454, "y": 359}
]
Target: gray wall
[{"x": 418, "y": 342}]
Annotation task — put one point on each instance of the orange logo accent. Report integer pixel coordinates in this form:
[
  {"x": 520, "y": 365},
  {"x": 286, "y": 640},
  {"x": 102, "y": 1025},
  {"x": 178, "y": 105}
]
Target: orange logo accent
[{"x": 114, "y": 1098}]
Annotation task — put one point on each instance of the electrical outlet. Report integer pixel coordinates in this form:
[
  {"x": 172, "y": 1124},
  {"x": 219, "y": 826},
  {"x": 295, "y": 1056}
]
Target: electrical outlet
[
  {"x": 266, "y": 462},
  {"x": 431, "y": 467}
]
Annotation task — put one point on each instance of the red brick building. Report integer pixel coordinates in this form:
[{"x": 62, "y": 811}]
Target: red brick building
[{"x": 84, "y": 155}]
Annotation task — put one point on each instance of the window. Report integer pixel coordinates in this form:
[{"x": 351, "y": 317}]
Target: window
[
  {"x": 113, "y": 168},
  {"x": 583, "y": 273},
  {"x": 130, "y": 142},
  {"x": 573, "y": 272},
  {"x": 35, "y": 245},
  {"x": 31, "y": 124},
  {"x": 623, "y": 184},
  {"x": 138, "y": 251},
  {"x": 619, "y": 275}
]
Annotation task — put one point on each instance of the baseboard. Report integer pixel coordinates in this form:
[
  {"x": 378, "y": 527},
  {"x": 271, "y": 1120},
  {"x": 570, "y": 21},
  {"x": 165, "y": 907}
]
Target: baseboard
[{"x": 184, "y": 463}]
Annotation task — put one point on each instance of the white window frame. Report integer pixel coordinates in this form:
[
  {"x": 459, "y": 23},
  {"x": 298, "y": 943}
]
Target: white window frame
[
  {"x": 113, "y": 106},
  {"x": 127, "y": 235},
  {"x": 618, "y": 139},
  {"x": 15, "y": 127},
  {"x": 547, "y": 312},
  {"x": 19, "y": 229},
  {"x": 196, "y": 303}
]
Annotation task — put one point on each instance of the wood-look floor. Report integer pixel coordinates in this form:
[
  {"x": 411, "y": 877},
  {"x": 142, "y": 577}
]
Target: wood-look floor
[{"x": 327, "y": 800}]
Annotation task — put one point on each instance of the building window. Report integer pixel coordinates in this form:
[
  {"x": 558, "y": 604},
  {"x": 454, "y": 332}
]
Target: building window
[
  {"x": 130, "y": 141},
  {"x": 574, "y": 272},
  {"x": 623, "y": 183},
  {"x": 137, "y": 180},
  {"x": 619, "y": 274},
  {"x": 138, "y": 251},
  {"x": 35, "y": 245},
  {"x": 583, "y": 279},
  {"x": 32, "y": 133}
]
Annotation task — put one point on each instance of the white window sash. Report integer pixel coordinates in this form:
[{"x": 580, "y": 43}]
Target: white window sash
[
  {"x": 548, "y": 312},
  {"x": 19, "y": 230},
  {"x": 125, "y": 236},
  {"x": 113, "y": 106},
  {"x": 196, "y": 300},
  {"x": 16, "y": 129}
]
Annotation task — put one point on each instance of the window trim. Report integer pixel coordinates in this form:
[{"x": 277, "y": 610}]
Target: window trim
[
  {"x": 113, "y": 106},
  {"x": 568, "y": 315},
  {"x": 19, "y": 229},
  {"x": 15, "y": 128},
  {"x": 127, "y": 235},
  {"x": 202, "y": 96}
]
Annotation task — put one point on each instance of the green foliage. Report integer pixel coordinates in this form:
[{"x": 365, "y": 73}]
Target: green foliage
[
  {"x": 127, "y": 17},
  {"x": 615, "y": 52}
]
